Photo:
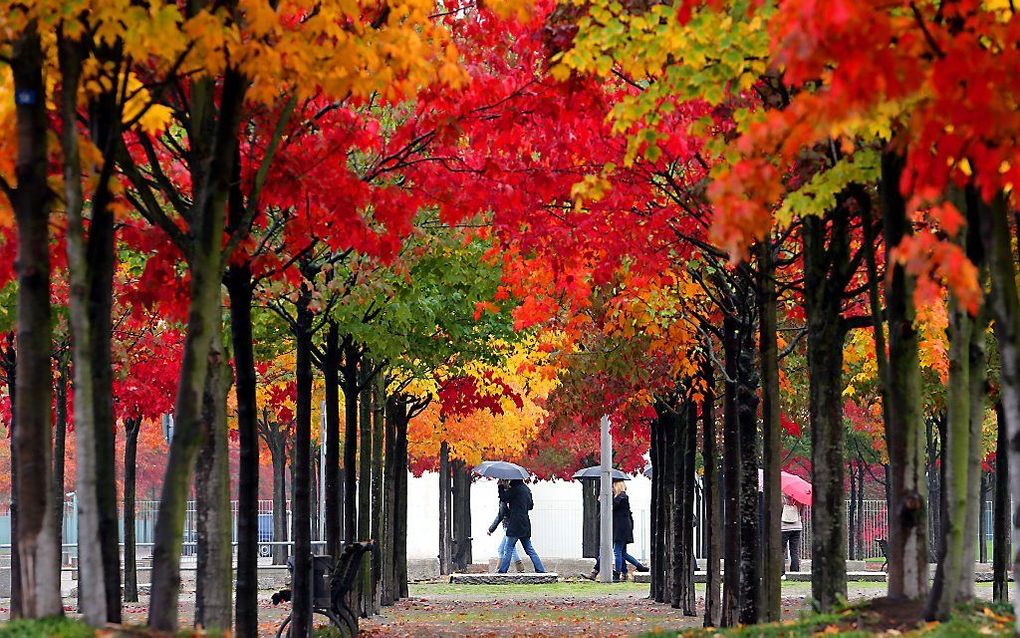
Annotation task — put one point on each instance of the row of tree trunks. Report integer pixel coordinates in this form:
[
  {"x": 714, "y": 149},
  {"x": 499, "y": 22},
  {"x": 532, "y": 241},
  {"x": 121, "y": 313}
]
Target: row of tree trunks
[{"x": 665, "y": 431}]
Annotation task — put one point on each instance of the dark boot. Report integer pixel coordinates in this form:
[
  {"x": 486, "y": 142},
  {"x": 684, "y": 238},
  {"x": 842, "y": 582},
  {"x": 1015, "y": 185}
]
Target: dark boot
[{"x": 616, "y": 577}]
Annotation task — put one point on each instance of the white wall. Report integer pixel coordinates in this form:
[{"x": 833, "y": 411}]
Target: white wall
[{"x": 555, "y": 521}]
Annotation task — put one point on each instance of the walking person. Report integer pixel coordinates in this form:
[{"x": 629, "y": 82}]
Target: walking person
[
  {"x": 519, "y": 502},
  {"x": 623, "y": 535},
  {"x": 501, "y": 517},
  {"x": 792, "y": 527}
]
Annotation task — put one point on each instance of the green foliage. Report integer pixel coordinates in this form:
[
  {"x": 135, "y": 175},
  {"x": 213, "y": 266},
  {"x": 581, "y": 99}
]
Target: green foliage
[
  {"x": 818, "y": 195},
  {"x": 46, "y": 628}
]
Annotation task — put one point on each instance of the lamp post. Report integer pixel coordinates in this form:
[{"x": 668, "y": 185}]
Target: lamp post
[{"x": 606, "y": 562}]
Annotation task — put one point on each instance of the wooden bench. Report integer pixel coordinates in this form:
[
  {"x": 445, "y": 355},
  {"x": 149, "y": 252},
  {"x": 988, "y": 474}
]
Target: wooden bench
[{"x": 331, "y": 584}]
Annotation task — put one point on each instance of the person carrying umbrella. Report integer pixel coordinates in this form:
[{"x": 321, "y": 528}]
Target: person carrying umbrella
[
  {"x": 792, "y": 528},
  {"x": 501, "y": 517},
  {"x": 623, "y": 535},
  {"x": 519, "y": 502}
]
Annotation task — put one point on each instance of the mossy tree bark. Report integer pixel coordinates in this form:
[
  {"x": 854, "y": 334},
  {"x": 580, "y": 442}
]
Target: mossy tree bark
[
  {"x": 214, "y": 595},
  {"x": 908, "y": 492}
]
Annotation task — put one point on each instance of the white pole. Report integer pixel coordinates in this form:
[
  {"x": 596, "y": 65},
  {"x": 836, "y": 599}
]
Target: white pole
[
  {"x": 606, "y": 506},
  {"x": 322, "y": 472}
]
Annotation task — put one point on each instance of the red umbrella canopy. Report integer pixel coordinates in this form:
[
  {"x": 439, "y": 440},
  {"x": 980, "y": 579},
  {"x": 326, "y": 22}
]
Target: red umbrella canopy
[{"x": 792, "y": 485}]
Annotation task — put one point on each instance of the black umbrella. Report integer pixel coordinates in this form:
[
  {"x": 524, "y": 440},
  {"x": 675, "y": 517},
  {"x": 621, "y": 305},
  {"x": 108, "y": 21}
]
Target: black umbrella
[
  {"x": 500, "y": 470},
  {"x": 648, "y": 471},
  {"x": 595, "y": 472}
]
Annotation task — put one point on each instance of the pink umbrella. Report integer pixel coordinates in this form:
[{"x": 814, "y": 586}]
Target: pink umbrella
[
  {"x": 792, "y": 485},
  {"x": 796, "y": 488}
]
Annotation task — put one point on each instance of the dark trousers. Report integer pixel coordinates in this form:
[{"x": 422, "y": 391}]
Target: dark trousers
[{"x": 791, "y": 539}]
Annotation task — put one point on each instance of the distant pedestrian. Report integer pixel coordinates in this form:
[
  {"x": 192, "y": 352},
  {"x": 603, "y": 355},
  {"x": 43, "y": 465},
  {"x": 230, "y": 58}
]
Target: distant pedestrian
[
  {"x": 623, "y": 535},
  {"x": 501, "y": 517},
  {"x": 519, "y": 502},
  {"x": 792, "y": 528}
]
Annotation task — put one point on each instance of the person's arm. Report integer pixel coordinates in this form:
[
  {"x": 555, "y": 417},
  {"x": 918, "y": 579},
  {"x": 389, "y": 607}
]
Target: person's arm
[
  {"x": 499, "y": 518},
  {"x": 531, "y": 500}
]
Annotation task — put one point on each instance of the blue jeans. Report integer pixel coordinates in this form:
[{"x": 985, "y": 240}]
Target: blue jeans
[
  {"x": 529, "y": 549},
  {"x": 620, "y": 559},
  {"x": 513, "y": 548}
]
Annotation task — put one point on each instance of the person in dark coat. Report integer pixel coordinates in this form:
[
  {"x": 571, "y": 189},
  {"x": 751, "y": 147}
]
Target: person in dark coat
[
  {"x": 518, "y": 502},
  {"x": 623, "y": 534},
  {"x": 502, "y": 487}
]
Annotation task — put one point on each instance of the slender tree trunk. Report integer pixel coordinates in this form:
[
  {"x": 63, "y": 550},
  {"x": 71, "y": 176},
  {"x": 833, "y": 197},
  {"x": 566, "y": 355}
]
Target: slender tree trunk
[
  {"x": 772, "y": 453},
  {"x": 278, "y": 453},
  {"x": 823, "y": 304},
  {"x": 983, "y": 519},
  {"x": 955, "y": 457},
  {"x": 713, "y": 515},
  {"x": 132, "y": 426},
  {"x": 365, "y": 488},
  {"x": 731, "y": 478},
  {"x": 38, "y": 549},
  {"x": 589, "y": 513},
  {"x": 239, "y": 287},
  {"x": 331, "y": 372},
  {"x": 388, "y": 543},
  {"x": 213, "y": 596},
  {"x": 852, "y": 514},
  {"x": 59, "y": 449},
  {"x": 590, "y": 505},
  {"x": 978, "y": 402},
  {"x": 1000, "y": 514},
  {"x": 678, "y": 558},
  {"x": 461, "y": 510},
  {"x": 1005, "y": 311},
  {"x": 10, "y": 364},
  {"x": 205, "y": 257},
  {"x": 908, "y": 536},
  {"x": 686, "y": 571},
  {"x": 378, "y": 515},
  {"x": 444, "y": 509},
  {"x": 301, "y": 584},
  {"x": 750, "y": 531},
  {"x": 352, "y": 358},
  {"x": 400, "y": 549}
]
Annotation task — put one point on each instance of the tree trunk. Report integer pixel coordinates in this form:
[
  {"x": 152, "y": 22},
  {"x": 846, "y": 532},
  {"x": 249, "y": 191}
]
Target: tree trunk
[
  {"x": 213, "y": 595},
  {"x": 59, "y": 450},
  {"x": 388, "y": 542},
  {"x": 955, "y": 458},
  {"x": 205, "y": 257},
  {"x": 713, "y": 515},
  {"x": 731, "y": 478},
  {"x": 400, "y": 551},
  {"x": 445, "y": 555},
  {"x": 823, "y": 304},
  {"x": 589, "y": 514},
  {"x": 239, "y": 287},
  {"x": 936, "y": 426},
  {"x": 461, "y": 510},
  {"x": 331, "y": 373},
  {"x": 983, "y": 519},
  {"x": 852, "y": 515},
  {"x": 9, "y": 361},
  {"x": 132, "y": 426},
  {"x": 378, "y": 416},
  {"x": 772, "y": 453},
  {"x": 38, "y": 549},
  {"x": 678, "y": 559},
  {"x": 1005, "y": 311},
  {"x": 352, "y": 358},
  {"x": 1000, "y": 513},
  {"x": 365, "y": 488},
  {"x": 908, "y": 538},
  {"x": 978, "y": 402},
  {"x": 301, "y": 583},
  {"x": 750, "y": 531},
  {"x": 278, "y": 453},
  {"x": 687, "y": 518}
]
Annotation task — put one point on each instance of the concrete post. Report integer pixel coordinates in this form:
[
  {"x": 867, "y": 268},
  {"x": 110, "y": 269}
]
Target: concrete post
[{"x": 606, "y": 506}]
